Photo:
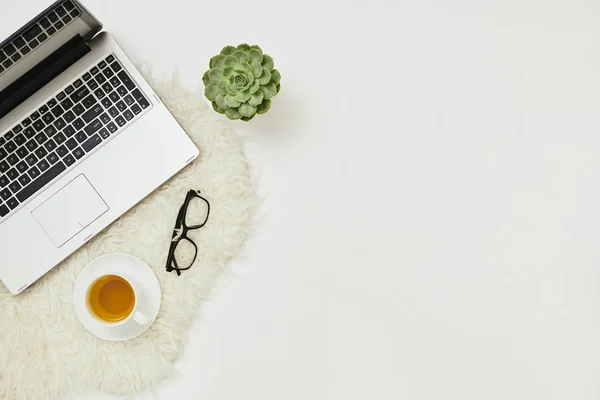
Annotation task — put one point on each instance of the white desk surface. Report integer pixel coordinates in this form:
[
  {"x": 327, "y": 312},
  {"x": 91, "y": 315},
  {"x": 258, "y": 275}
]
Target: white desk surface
[{"x": 431, "y": 174}]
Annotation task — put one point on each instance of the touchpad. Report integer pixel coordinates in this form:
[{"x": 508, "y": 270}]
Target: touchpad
[{"x": 70, "y": 210}]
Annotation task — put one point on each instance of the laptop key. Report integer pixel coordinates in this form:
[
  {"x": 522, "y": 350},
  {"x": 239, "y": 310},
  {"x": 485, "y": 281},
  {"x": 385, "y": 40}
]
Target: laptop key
[
  {"x": 121, "y": 121},
  {"x": 62, "y": 151},
  {"x": 89, "y": 101},
  {"x": 104, "y": 133},
  {"x": 22, "y": 152},
  {"x": 136, "y": 109},
  {"x": 51, "y": 31},
  {"x": 53, "y": 17},
  {"x": 41, "y": 138},
  {"x": 12, "y": 159},
  {"x": 126, "y": 80},
  {"x": 3, "y": 167},
  {"x": 122, "y": 90},
  {"x": 121, "y": 106},
  {"x": 71, "y": 143},
  {"x": 12, "y": 174},
  {"x": 69, "y": 117},
  {"x": 140, "y": 98},
  {"x": 128, "y": 115},
  {"x": 60, "y": 138},
  {"x": 12, "y": 203},
  {"x": 87, "y": 76},
  {"x": 116, "y": 67},
  {"x": 106, "y": 102},
  {"x": 52, "y": 158},
  {"x": 69, "y": 160},
  {"x": 50, "y": 131},
  {"x": 69, "y": 131},
  {"x": 112, "y": 127},
  {"x": 16, "y": 57},
  {"x": 60, "y": 11},
  {"x": 51, "y": 103},
  {"x": 115, "y": 81},
  {"x": 31, "y": 145},
  {"x": 102, "y": 64},
  {"x": 10, "y": 147},
  {"x": 78, "y": 153},
  {"x": 69, "y": 89},
  {"x": 77, "y": 83},
  {"x": 108, "y": 73},
  {"x": 68, "y": 5},
  {"x": 24, "y": 179},
  {"x": 20, "y": 139},
  {"x": 41, "y": 181},
  {"x": 33, "y": 43},
  {"x": 59, "y": 25},
  {"x": 66, "y": 104},
  {"x": 15, "y": 187},
  {"x": 104, "y": 118},
  {"x": 45, "y": 23},
  {"x": 10, "y": 50},
  {"x": 80, "y": 93},
  {"x": 50, "y": 145},
  {"x": 31, "y": 33},
  {"x": 129, "y": 100},
  {"x": 78, "y": 109},
  {"x": 19, "y": 42},
  {"x": 114, "y": 96},
  {"x": 41, "y": 152},
  {"x": 92, "y": 113},
  {"x": 100, "y": 78},
  {"x": 31, "y": 159},
  {"x": 60, "y": 124},
  {"x": 5, "y": 194},
  {"x": 43, "y": 165},
  {"x": 58, "y": 111},
  {"x": 107, "y": 87},
  {"x": 34, "y": 172},
  {"x": 78, "y": 124},
  {"x": 25, "y": 50},
  {"x": 43, "y": 109},
  {"x": 48, "y": 118},
  {"x": 26, "y": 122},
  {"x": 93, "y": 127},
  {"x": 4, "y": 181},
  {"x": 39, "y": 125},
  {"x": 2, "y": 56},
  {"x": 4, "y": 210},
  {"x": 100, "y": 93},
  {"x": 35, "y": 116},
  {"x": 81, "y": 136},
  {"x": 22, "y": 166},
  {"x": 113, "y": 112},
  {"x": 91, "y": 143},
  {"x": 92, "y": 84},
  {"x": 42, "y": 37},
  {"x": 29, "y": 132}
]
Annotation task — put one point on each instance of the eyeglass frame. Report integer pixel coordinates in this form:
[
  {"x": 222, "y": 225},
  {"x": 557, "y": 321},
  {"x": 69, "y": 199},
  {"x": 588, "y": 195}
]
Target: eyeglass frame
[{"x": 181, "y": 230}]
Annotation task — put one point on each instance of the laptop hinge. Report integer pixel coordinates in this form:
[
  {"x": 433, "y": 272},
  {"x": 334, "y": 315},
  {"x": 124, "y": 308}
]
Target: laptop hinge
[{"x": 44, "y": 72}]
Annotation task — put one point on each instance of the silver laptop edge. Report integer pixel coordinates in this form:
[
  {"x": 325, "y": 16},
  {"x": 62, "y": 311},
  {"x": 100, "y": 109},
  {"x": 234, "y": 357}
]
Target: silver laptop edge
[{"x": 80, "y": 150}]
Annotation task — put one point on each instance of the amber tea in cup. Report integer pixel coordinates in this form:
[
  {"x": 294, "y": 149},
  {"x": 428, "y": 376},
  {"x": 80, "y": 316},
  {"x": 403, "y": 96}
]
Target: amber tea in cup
[{"x": 111, "y": 298}]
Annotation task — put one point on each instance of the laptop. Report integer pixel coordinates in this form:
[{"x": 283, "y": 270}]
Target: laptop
[{"x": 83, "y": 138}]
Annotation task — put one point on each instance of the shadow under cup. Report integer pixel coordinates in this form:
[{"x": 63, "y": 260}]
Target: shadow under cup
[{"x": 111, "y": 298}]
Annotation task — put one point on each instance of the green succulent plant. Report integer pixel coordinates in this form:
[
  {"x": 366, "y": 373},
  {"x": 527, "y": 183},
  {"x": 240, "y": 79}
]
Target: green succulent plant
[{"x": 241, "y": 82}]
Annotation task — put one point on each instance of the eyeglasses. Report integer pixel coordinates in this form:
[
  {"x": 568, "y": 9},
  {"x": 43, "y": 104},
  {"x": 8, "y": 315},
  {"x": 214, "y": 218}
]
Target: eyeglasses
[{"x": 182, "y": 247}]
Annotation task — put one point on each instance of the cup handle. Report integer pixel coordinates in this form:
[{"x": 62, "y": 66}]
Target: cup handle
[{"x": 140, "y": 318}]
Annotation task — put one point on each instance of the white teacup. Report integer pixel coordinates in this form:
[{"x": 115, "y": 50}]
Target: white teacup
[
  {"x": 146, "y": 293},
  {"x": 134, "y": 313}
]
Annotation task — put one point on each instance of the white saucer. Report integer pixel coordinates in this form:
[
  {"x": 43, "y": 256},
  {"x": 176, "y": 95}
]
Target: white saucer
[{"x": 144, "y": 276}]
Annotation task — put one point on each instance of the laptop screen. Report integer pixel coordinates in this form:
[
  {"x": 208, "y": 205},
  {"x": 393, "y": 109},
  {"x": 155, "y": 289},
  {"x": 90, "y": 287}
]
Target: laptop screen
[{"x": 25, "y": 45}]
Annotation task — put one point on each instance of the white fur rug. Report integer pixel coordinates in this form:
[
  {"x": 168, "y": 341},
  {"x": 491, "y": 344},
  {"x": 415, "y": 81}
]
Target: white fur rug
[{"x": 45, "y": 352}]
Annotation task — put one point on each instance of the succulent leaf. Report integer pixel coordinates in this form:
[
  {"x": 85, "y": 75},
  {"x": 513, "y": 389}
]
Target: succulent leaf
[
  {"x": 263, "y": 107},
  {"x": 205, "y": 78},
  {"x": 244, "y": 47},
  {"x": 243, "y": 97},
  {"x": 220, "y": 100},
  {"x": 275, "y": 77},
  {"x": 255, "y": 55},
  {"x": 231, "y": 101},
  {"x": 211, "y": 91},
  {"x": 255, "y": 86},
  {"x": 217, "y": 61},
  {"x": 256, "y": 98},
  {"x": 265, "y": 77},
  {"x": 216, "y": 108},
  {"x": 256, "y": 69},
  {"x": 247, "y": 110},
  {"x": 227, "y": 50},
  {"x": 240, "y": 55},
  {"x": 269, "y": 90},
  {"x": 233, "y": 113},
  {"x": 215, "y": 75},
  {"x": 268, "y": 62}
]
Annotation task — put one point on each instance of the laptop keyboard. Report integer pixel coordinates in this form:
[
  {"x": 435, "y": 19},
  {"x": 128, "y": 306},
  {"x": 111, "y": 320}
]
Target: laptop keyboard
[
  {"x": 55, "y": 20},
  {"x": 93, "y": 108}
]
